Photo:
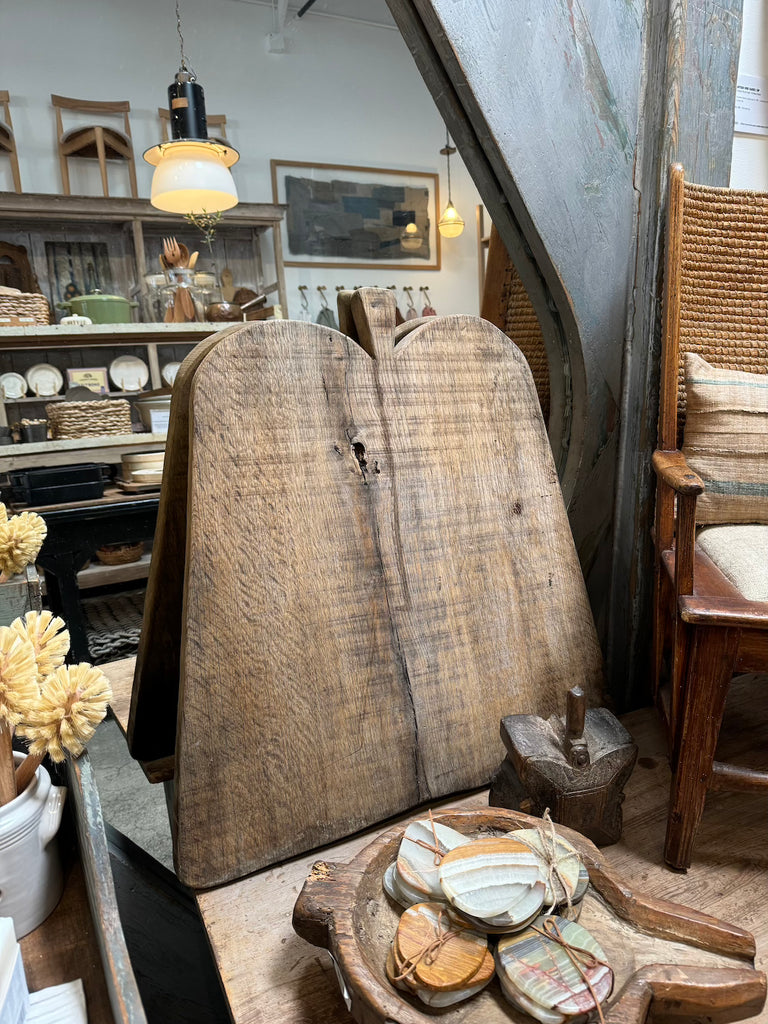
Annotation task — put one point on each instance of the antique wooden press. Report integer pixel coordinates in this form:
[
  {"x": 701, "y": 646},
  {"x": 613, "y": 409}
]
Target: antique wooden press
[{"x": 575, "y": 766}]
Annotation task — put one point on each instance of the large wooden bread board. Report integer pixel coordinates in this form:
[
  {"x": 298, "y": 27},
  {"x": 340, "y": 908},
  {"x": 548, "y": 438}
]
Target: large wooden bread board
[
  {"x": 378, "y": 567},
  {"x": 667, "y": 959},
  {"x": 155, "y": 696}
]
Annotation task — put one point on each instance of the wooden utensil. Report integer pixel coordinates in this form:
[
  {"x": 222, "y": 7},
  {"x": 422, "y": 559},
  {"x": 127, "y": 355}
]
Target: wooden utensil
[
  {"x": 663, "y": 955},
  {"x": 186, "y": 304},
  {"x": 193, "y": 260},
  {"x": 172, "y": 252},
  {"x": 227, "y": 287}
]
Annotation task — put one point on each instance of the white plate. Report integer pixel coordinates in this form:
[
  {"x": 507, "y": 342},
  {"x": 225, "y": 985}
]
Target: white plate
[
  {"x": 13, "y": 385},
  {"x": 168, "y": 373},
  {"x": 44, "y": 379},
  {"x": 128, "y": 373}
]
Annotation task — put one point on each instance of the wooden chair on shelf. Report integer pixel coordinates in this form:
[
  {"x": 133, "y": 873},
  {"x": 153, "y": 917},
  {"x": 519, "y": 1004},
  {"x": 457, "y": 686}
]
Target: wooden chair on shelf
[
  {"x": 711, "y": 585},
  {"x": 95, "y": 142},
  {"x": 214, "y": 121},
  {"x": 7, "y": 138}
]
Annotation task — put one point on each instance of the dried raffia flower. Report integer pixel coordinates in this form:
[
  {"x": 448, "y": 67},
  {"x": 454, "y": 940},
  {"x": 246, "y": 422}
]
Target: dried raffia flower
[
  {"x": 3, "y": 513},
  {"x": 19, "y": 691},
  {"x": 21, "y": 538},
  {"x": 72, "y": 702},
  {"x": 48, "y": 637}
]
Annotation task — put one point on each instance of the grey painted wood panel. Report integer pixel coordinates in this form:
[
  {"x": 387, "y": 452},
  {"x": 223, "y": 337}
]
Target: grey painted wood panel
[{"x": 567, "y": 114}]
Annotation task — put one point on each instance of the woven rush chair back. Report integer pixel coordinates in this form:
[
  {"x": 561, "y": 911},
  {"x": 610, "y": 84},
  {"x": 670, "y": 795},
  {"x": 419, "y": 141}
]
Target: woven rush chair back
[
  {"x": 717, "y": 289},
  {"x": 506, "y": 304}
]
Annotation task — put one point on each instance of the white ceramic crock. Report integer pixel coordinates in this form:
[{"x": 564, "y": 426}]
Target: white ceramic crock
[{"x": 31, "y": 879}]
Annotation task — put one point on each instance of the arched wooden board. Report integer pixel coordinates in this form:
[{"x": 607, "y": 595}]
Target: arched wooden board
[
  {"x": 379, "y": 566},
  {"x": 155, "y": 695}
]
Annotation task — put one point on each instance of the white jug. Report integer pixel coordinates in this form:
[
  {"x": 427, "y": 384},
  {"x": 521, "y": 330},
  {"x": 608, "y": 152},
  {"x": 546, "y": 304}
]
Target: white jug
[{"x": 31, "y": 878}]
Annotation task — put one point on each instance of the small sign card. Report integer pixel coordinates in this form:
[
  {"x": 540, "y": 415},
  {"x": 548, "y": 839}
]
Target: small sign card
[
  {"x": 752, "y": 105},
  {"x": 158, "y": 419},
  {"x": 94, "y": 378}
]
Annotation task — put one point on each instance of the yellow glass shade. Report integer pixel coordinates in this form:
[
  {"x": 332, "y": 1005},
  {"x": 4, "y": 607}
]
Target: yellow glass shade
[
  {"x": 450, "y": 224},
  {"x": 192, "y": 176},
  {"x": 411, "y": 239}
]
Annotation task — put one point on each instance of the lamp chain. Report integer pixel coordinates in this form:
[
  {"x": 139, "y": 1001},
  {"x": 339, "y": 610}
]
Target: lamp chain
[
  {"x": 185, "y": 65},
  {"x": 447, "y": 159}
]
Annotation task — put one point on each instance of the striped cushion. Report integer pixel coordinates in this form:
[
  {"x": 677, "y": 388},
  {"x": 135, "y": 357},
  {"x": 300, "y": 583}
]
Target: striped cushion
[{"x": 726, "y": 441}]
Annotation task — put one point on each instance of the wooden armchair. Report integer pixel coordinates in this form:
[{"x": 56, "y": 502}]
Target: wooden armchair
[
  {"x": 95, "y": 142},
  {"x": 7, "y": 138},
  {"x": 705, "y": 628}
]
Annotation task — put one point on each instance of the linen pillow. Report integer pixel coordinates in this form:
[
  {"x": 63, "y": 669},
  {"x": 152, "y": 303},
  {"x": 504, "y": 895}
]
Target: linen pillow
[{"x": 726, "y": 441}]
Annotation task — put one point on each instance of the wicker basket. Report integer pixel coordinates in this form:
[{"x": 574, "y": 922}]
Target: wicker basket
[
  {"x": 26, "y": 304},
  {"x": 89, "y": 419},
  {"x": 120, "y": 554}
]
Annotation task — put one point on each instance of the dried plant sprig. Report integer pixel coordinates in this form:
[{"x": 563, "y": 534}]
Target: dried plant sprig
[
  {"x": 19, "y": 692},
  {"x": 73, "y": 701},
  {"x": 3, "y": 513},
  {"x": 48, "y": 636},
  {"x": 21, "y": 538}
]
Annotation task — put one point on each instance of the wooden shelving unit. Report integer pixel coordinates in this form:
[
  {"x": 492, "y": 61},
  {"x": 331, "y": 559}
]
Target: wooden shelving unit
[
  {"x": 133, "y": 230},
  {"x": 72, "y": 452}
]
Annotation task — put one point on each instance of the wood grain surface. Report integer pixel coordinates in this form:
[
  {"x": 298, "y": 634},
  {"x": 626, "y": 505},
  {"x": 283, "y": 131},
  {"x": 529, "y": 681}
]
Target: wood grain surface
[
  {"x": 152, "y": 723},
  {"x": 270, "y": 974},
  {"x": 379, "y": 566}
]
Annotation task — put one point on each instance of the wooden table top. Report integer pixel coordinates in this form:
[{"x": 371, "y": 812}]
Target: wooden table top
[{"x": 269, "y": 974}]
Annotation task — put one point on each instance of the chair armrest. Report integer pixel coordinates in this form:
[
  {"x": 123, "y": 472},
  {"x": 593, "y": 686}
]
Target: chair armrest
[{"x": 672, "y": 468}]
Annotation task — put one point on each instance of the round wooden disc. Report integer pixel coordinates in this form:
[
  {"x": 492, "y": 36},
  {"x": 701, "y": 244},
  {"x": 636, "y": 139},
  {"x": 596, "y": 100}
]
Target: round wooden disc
[{"x": 458, "y": 960}]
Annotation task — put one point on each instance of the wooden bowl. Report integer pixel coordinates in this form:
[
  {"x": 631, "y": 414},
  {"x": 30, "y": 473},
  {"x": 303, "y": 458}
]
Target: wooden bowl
[{"x": 682, "y": 963}]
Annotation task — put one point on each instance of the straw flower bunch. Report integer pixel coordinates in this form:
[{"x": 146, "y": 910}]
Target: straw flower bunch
[
  {"x": 56, "y": 707},
  {"x": 21, "y": 538}
]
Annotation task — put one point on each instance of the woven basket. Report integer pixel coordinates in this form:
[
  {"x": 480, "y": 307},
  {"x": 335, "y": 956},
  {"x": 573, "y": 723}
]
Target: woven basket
[
  {"x": 89, "y": 419},
  {"x": 26, "y": 304},
  {"x": 120, "y": 554}
]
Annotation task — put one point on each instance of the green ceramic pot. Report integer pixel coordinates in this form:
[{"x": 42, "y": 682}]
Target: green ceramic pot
[{"x": 101, "y": 309}]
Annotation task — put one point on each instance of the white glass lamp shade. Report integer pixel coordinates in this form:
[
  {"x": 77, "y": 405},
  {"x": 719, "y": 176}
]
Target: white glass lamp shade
[
  {"x": 411, "y": 239},
  {"x": 192, "y": 176},
  {"x": 450, "y": 224}
]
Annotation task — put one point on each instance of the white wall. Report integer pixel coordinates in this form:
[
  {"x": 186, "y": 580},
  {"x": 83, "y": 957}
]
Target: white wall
[
  {"x": 346, "y": 93},
  {"x": 749, "y": 164}
]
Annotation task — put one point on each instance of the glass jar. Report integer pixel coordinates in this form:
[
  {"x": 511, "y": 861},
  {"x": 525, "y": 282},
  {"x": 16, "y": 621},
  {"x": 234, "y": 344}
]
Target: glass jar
[
  {"x": 183, "y": 299},
  {"x": 152, "y": 303}
]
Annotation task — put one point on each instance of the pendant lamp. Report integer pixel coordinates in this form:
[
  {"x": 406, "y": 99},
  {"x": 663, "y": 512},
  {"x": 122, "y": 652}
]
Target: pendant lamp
[
  {"x": 411, "y": 239},
  {"x": 191, "y": 172},
  {"x": 450, "y": 224}
]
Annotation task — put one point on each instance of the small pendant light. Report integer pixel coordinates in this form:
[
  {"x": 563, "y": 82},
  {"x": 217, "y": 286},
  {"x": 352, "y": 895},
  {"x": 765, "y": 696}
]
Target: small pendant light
[
  {"x": 191, "y": 172},
  {"x": 411, "y": 239},
  {"x": 450, "y": 224}
]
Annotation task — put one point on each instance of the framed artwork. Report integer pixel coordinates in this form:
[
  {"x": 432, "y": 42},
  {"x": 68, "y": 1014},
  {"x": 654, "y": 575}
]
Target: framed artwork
[
  {"x": 357, "y": 217},
  {"x": 92, "y": 377}
]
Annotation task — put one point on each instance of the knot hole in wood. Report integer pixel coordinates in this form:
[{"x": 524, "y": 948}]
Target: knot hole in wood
[{"x": 358, "y": 450}]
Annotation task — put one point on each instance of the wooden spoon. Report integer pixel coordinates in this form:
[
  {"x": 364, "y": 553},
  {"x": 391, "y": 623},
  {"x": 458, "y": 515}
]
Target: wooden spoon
[{"x": 184, "y": 300}]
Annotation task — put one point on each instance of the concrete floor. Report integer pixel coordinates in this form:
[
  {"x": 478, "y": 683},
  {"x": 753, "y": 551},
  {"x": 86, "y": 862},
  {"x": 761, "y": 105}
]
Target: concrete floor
[{"x": 128, "y": 802}]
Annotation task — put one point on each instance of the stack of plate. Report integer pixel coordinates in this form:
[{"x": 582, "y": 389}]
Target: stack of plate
[{"x": 144, "y": 469}]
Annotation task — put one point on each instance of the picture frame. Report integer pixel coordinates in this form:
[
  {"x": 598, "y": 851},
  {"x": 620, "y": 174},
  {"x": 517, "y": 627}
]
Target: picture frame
[
  {"x": 92, "y": 377},
  {"x": 342, "y": 215}
]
